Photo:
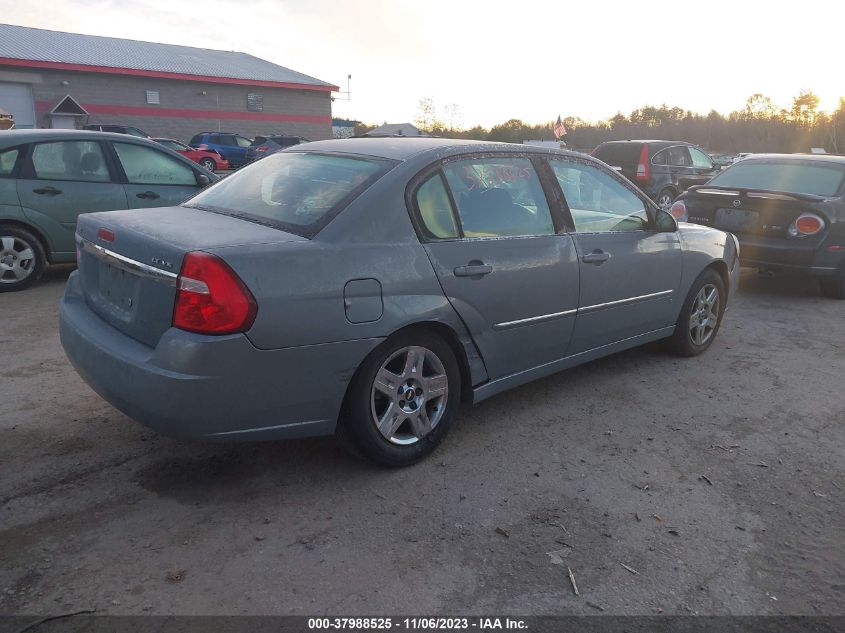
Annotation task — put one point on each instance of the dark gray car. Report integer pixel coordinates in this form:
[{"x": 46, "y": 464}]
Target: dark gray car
[{"x": 369, "y": 286}]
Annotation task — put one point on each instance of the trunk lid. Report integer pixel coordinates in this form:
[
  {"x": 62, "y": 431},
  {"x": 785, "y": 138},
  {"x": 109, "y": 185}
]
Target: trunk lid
[
  {"x": 130, "y": 279},
  {"x": 751, "y": 212}
]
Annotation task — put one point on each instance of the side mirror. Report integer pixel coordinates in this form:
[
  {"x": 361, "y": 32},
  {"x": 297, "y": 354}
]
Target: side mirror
[
  {"x": 203, "y": 180},
  {"x": 666, "y": 222}
]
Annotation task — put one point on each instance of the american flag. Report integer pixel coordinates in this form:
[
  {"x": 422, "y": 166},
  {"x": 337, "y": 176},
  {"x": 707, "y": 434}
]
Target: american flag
[{"x": 559, "y": 129}]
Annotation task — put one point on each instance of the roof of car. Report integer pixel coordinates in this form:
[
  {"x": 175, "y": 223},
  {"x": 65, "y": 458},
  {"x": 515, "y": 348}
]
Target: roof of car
[
  {"x": 13, "y": 137},
  {"x": 826, "y": 158},
  {"x": 403, "y": 148},
  {"x": 649, "y": 141},
  {"x": 59, "y": 47}
]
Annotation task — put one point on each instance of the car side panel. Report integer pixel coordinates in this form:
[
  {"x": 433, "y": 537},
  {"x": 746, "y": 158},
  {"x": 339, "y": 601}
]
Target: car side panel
[{"x": 702, "y": 247}]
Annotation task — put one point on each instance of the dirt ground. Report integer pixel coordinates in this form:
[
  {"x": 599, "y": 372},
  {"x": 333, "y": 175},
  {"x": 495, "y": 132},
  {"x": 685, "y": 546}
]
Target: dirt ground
[{"x": 712, "y": 485}]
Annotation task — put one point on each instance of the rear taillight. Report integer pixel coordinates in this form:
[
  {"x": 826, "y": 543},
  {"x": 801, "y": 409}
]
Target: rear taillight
[
  {"x": 642, "y": 166},
  {"x": 806, "y": 224},
  {"x": 211, "y": 298},
  {"x": 263, "y": 148},
  {"x": 679, "y": 211}
]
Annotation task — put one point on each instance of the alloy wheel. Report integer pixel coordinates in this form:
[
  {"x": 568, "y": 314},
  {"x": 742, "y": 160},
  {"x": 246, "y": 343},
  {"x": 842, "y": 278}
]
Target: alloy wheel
[
  {"x": 704, "y": 316},
  {"x": 664, "y": 201},
  {"x": 409, "y": 394},
  {"x": 17, "y": 259}
]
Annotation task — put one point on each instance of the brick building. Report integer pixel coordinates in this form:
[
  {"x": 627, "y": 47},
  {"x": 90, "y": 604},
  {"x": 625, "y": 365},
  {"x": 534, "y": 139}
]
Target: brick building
[{"x": 65, "y": 80}]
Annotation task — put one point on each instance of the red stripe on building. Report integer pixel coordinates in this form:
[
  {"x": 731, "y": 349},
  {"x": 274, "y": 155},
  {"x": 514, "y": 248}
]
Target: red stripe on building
[
  {"x": 27, "y": 63},
  {"x": 181, "y": 113}
]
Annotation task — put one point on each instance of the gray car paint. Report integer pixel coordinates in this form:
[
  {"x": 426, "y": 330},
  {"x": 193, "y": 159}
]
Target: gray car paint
[{"x": 269, "y": 382}]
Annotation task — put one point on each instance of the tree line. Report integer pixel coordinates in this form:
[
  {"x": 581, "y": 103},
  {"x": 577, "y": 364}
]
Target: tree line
[{"x": 758, "y": 127}]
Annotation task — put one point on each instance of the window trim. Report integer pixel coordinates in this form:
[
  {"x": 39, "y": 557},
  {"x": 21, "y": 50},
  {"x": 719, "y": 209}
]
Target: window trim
[
  {"x": 27, "y": 167},
  {"x": 559, "y": 222},
  {"x": 648, "y": 204}
]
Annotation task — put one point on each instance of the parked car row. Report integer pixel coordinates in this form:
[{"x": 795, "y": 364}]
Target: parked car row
[{"x": 213, "y": 150}]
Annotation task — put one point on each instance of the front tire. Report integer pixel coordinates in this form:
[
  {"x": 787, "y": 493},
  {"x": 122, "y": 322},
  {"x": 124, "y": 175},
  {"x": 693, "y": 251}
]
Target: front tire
[
  {"x": 22, "y": 258},
  {"x": 209, "y": 164},
  {"x": 402, "y": 399},
  {"x": 701, "y": 315}
]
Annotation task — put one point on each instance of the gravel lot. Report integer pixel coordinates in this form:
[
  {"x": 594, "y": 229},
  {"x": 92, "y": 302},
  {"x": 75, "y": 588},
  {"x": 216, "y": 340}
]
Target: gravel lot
[{"x": 592, "y": 469}]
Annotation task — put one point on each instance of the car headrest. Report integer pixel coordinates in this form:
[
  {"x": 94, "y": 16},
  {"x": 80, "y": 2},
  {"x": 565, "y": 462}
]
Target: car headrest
[{"x": 90, "y": 162}]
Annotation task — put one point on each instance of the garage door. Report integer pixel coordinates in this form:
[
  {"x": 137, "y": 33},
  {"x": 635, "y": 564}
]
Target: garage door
[{"x": 17, "y": 100}]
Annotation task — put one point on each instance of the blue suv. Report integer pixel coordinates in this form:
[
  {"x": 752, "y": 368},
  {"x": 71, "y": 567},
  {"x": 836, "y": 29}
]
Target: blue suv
[{"x": 230, "y": 146}]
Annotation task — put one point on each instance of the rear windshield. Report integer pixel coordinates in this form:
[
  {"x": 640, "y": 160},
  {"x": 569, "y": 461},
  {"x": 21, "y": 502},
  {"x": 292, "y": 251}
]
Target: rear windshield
[
  {"x": 295, "y": 192},
  {"x": 790, "y": 177}
]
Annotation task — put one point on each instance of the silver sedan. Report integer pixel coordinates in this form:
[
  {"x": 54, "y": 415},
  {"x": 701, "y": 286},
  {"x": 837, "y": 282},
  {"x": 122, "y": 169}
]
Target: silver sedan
[{"x": 368, "y": 286}]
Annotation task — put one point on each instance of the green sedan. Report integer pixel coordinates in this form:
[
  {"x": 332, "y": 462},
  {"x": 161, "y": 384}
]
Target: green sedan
[{"x": 49, "y": 177}]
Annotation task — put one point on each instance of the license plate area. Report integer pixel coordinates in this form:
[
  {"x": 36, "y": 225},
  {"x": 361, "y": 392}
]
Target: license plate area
[
  {"x": 118, "y": 288},
  {"x": 735, "y": 219}
]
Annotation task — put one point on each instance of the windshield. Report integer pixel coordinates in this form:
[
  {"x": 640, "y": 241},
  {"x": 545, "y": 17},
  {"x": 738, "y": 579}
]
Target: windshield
[
  {"x": 791, "y": 177},
  {"x": 296, "y": 192}
]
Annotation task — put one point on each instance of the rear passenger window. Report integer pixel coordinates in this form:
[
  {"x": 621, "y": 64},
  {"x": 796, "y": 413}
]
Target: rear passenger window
[
  {"x": 70, "y": 160},
  {"x": 499, "y": 197},
  {"x": 597, "y": 201},
  {"x": 8, "y": 158},
  {"x": 146, "y": 166},
  {"x": 679, "y": 156},
  {"x": 435, "y": 210},
  {"x": 659, "y": 158}
]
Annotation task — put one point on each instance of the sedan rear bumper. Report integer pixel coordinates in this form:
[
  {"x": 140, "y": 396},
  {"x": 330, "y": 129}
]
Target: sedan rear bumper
[
  {"x": 210, "y": 387},
  {"x": 787, "y": 254}
]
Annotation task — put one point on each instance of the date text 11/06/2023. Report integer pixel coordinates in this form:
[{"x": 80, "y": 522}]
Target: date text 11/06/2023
[{"x": 418, "y": 623}]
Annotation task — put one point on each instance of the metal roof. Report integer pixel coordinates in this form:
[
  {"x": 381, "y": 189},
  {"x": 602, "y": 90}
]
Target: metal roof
[{"x": 46, "y": 48}]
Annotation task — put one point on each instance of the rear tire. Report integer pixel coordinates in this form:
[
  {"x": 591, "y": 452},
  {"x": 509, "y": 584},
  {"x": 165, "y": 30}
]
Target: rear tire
[
  {"x": 833, "y": 287},
  {"x": 208, "y": 163},
  {"x": 701, "y": 315},
  {"x": 402, "y": 400},
  {"x": 22, "y": 258}
]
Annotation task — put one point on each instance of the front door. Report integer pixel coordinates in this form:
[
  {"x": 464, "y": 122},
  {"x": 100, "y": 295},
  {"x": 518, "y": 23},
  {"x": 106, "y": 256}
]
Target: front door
[
  {"x": 153, "y": 178},
  {"x": 500, "y": 261},
  {"x": 62, "y": 179},
  {"x": 630, "y": 273}
]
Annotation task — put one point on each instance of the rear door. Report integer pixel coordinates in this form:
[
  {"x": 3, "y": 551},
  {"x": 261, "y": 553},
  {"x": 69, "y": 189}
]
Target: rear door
[
  {"x": 495, "y": 245},
  {"x": 629, "y": 272},
  {"x": 61, "y": 179},
  {"x": 153, "y": 178}
]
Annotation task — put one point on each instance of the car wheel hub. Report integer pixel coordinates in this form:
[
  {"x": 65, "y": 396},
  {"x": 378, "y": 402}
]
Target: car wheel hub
[
  {"x": 408, "y": 395},
  {"x": 17, "y": 259},
  {"x": 705, "y": 315}
]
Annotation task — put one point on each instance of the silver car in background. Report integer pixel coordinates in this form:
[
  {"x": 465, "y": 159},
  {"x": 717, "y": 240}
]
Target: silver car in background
[{"x": 368, "y": 286}]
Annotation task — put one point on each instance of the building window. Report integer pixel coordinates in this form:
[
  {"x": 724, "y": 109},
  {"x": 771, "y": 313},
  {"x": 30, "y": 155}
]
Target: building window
[
  {"x": 255, "y": 102},
  {"x": 152, "y": 97}
]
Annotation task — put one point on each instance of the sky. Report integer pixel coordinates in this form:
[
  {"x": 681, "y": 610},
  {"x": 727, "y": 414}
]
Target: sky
[{"x": 497, "y": 60}]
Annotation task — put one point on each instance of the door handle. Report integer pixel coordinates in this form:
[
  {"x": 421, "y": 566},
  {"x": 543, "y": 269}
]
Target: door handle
[
  {"x": 474, "y": 269},
  {"x": 596, "y": 257},
  {"x": 47, "y": 191},
  {"x": 149, "y": 195}
]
